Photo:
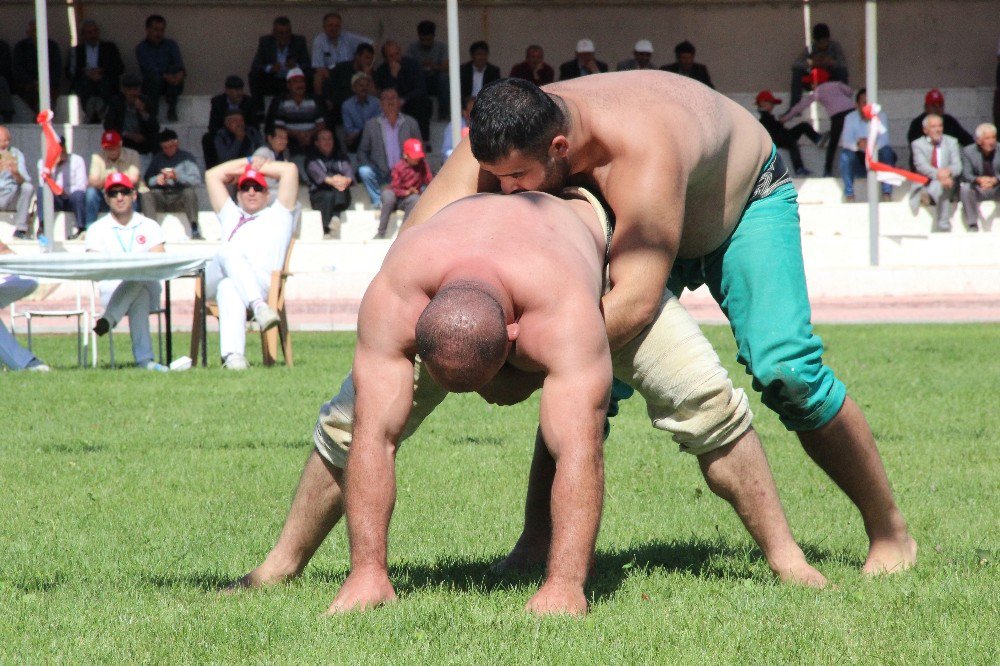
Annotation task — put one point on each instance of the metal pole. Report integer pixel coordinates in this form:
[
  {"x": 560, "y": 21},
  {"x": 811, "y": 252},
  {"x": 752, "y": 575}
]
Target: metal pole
[
  {"x": 454, "y": 83},
  {"x": 871, "y": 83},
  {"x": 806, "y": 24},
  {"x": 44, "y": 102}
]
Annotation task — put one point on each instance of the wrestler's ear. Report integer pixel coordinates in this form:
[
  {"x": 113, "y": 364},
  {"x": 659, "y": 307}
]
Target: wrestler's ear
[
  {"x": 513, "y": 330},
  {"x": 559, "y": 148}
]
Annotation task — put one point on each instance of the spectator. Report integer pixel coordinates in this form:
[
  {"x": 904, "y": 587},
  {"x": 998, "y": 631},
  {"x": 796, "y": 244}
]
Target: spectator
[
  {"x": 782, "y": 136},
  {"x": 410, "y": 176},
  {"x": 980, "y": 169},
  {"x": 162, "y": 67},
  {"x": 298, "y": 111},
  {"x": 16, "y": 190},
  {"x": 131, "y": 116},
  {"x": 382, "y": 144},
  {"x": 642, "y": 57},
  {"x": 358, "y": 110},
  {"x": 686, "y": 66},
  {"x": 24, "y": 69},
  {"x": 433, "y": 58},
  {"x": 94, "y": 69},
  {"x": 934, "y": 103},
  {"x": 585, "y": 63},
  {"x": 12, "y": 355},
  {"x": 534, "y": 68},
  {"x": 837, "y": 100},
  {"x": 172, "y": 177},
  {"x": 446, "y": 143},
  {"x": 330, "y": 179},
  {"x": 853, "y": 143},
  {"x": 825, "y": 54},
  {"x": 478, "y": 72},
  {"x": 276, "y": 54},
  {"x": 124, "y": 231},
  {"x": 6, "y": 101},
  {"x": 232, "y": 99},
  {"x": 113, "y": 158},
  {"x": 937, "y": 156},
  {"x": 403, "y": 73},
  {"x": 339, "y": 85},
  {"x": 236, "y": 138},
  {"x": 331, "y": 46},
  {"x": 275, "y": 149},
  {"x": 69, "y": 173}
]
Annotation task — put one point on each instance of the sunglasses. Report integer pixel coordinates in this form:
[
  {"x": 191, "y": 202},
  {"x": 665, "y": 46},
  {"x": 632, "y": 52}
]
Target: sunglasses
[
  {"x": 119, "y": 192},
  {"x": 250, "y": 185}
]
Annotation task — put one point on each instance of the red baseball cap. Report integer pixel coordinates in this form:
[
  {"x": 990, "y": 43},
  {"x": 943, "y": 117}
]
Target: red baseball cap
[
  {"x": 111, "y": 139},
  {"x": 933, "y": 96},
  {"x": 816, "y": 76},
  {"x": 767, "y": 96},
  {"x": 414, "y": 149},
  {"x": 254, "y": 176},
  {"x": 118, "y": 179}
]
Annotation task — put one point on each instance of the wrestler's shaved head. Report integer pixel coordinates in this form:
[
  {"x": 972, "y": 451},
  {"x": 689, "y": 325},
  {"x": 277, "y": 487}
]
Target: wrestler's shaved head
[{"x": 462, "y": 336}]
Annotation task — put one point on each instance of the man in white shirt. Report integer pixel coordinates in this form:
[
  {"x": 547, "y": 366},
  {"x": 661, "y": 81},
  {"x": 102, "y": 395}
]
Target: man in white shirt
[
  {"x": 331, "y": 46},
  {"x": 853, "y": 142},
  {"x": 255, "y": 237},
  {"x": 124, "y": 231},
  {"x": 70, "y": 173}
]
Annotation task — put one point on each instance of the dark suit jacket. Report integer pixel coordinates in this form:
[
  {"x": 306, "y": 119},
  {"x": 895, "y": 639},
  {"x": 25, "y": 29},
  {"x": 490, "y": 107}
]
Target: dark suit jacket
[
  {"x": 267, "y": 54},
  {"x": 24, "y": 65},
  {"x": 108, "y": 58},
  {"x": 951, "y": 127},
  {"x": 972, "y": 163},
  {"x": 491, "y": 73},
  {"x": 410, "y": 83},
  {"x": 220, "y": 105},
  {"x": 337, "y": 90},
  {"x": 571, "y": 69},
  {"x": 5, "y": 60},
  {"x": 523, "y": 71},
  {"x": 149, "y": 128},
  {"x": 698, "y": 72}
]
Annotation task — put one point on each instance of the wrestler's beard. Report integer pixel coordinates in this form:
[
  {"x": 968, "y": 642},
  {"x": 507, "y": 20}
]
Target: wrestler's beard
[{"x": 556, "y": 175}]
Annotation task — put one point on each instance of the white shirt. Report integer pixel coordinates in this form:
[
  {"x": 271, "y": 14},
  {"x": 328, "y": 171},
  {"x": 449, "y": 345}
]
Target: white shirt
[
  {"x": 107, "y": 236},
  {"x": 77, "y": 168},
  {"x": 263, "y": 237},
  {"x": 327, "y": 54},
  {"x": 477, "y": 80}
]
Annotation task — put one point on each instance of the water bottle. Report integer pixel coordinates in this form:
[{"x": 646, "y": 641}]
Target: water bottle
[{"x": 44, "y": 243}]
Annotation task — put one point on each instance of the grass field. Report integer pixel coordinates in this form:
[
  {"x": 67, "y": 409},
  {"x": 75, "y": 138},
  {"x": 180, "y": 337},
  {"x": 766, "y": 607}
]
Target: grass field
[{"x": 127, "y": 498}]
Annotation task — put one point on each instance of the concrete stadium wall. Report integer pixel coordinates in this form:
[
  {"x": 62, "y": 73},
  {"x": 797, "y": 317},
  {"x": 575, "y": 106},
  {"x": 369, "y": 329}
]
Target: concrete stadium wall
[{"x": 923, "y": 43}]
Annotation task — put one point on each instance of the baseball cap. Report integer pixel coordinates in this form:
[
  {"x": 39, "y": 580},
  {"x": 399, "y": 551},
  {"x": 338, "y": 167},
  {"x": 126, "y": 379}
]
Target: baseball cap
[
  {"x": 234, "y": 82},
  {"x": 295, "y": 73},
  {"x": 111, "y": 139},
  {"x": 643, "y": 46},
  {"x": 117, "y": 179},
  {"x": 585, "y": 46},
  {"x": 251, "y": 174},
  {"x": 767, "y": 96},
  {"x": 816, "y": 76},
  {"x": 934, "y": 96},
  {"x": 414, "y": 149}
]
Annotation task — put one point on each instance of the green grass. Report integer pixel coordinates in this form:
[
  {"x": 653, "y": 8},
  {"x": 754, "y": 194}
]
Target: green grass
[{"x": 126, "y": 498}]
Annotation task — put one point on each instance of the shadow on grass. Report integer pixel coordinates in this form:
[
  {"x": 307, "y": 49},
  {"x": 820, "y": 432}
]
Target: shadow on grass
[
  {"x": 206, "y": 581},
  {"x": 38, "y": 582}
]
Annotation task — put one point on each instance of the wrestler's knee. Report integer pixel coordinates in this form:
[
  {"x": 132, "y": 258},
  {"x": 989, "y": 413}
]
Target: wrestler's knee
[
  {"x": 805, "y": 394},
  {"x": 711, "y": 416},
  {"x": 334, "y": 427}
]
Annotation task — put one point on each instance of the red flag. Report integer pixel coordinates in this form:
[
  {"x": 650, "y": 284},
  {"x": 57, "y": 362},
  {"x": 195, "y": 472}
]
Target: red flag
[
  {"x": 884, "y": 172},
  {"x": 53, "y": 150}
]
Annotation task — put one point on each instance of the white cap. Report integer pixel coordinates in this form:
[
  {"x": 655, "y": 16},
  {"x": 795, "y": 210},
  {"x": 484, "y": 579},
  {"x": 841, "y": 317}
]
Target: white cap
[
  {"x": 643, "y": 46},
  {"x": 294, "y": 72},
  {"x": 585, "y": 46}
]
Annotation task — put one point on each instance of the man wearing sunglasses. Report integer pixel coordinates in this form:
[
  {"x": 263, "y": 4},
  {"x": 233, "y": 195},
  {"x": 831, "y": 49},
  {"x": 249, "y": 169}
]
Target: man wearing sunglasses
[{"x": 255, "y": 236}]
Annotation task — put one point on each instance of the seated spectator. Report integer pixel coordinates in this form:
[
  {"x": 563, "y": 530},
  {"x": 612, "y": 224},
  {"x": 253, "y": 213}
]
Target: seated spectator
[
  {"x": 403, "y": 73},
  {"x": 162, "y": 67},
  {"x": 478, "y": 72},
  {"x": 6, "y": 101},
  {"x": 276, "y": 55},
  {"x": 339, "y": 85},
  {"x": 980, "y": 170},
  {"x": 16, "y": 190},
  {"x": 330, "y": 179},
  {"x": 255, "y": 238},
  {"x": 410, "y": 176},
  {"x": 446, "y": 144},
  {"x": 939, "y": 157},
  {"x": 433, "y": 58},
  {"x": 236, "y": 138},
  {"x": 642, "y": 57},
  {"x": 298, "y": 112},
  {"x": 275, "y": 149},
  {"x": 686, "y": 66},
  {"x": 331, "y": 46},
  {"x": 12, "y": 355},
  {"x": 534, "y": 68},
  {"x": 113, "y": 158},
  {"x": 94, "y": 69},
  {"x": 69, "y": 173},
  {"x": 131, "y": 116},
  {"x": 358, "y": 110},
  {"x": 585, "y": 63},
  {"x": 172, "y": 177},
  {"x": 24, "y": 69},
  {"x": 376, "y": 155},
  {"x": 934, "y": 103},
  {"x": 232, "y": 99},
  {"x": 782, "y": 136},
  {"x": 825, "y": 54},
  {"x": 124, "y": 231},
  {"x": 836, "y": 98},
  {"x": 853, "y": 143}
]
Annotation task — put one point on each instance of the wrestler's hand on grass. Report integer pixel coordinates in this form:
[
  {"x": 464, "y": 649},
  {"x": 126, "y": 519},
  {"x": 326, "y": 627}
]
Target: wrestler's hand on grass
[
  {"x": 556, "y": 598},
  {"x": 363, "y": 590}
]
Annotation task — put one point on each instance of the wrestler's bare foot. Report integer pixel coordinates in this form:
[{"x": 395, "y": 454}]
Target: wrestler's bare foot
[
  {"x": 556, "y": 598},
  {"x": 889, "y": 556},
  {"x": 363, "y": 590},
  {"x": 791, "y": 567},
  {"x": 263, "y": 576},
  {"x": 528, "y": 553}
]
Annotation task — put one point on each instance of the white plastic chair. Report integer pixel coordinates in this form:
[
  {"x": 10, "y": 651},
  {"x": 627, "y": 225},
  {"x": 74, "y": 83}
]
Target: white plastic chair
[{"x": 30, "y": 313}]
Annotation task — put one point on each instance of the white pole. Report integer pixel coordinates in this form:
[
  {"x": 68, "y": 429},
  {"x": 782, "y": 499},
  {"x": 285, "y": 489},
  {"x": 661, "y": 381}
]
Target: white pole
[
  {"x": 454, "y": 83},
  {"x": 871, "y": 83},
  {"x": 806, "y": 25},
  {"x": 44, "y": 102}
]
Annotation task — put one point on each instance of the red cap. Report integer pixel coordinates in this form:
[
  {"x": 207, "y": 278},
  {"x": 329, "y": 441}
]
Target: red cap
[
  {"x": 117, "y": 179},
  {"x": 414, "y": 149},
  {"x": 111, "y": 139},
  {"x": 816, "y": 76},
  {"x": 251, "y": 174},
  {"x": 934, "y": 96},
  {"x": 767, "y": 96}
]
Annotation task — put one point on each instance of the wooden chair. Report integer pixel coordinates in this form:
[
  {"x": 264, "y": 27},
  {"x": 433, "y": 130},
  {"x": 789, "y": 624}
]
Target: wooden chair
[{"x": 268, "y": 339}]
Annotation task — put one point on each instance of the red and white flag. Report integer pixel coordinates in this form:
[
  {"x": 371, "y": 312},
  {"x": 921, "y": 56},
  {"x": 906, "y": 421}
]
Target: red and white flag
[
  {"x": 884, "y": 172},
  {"x": 53, "y": 149}
]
